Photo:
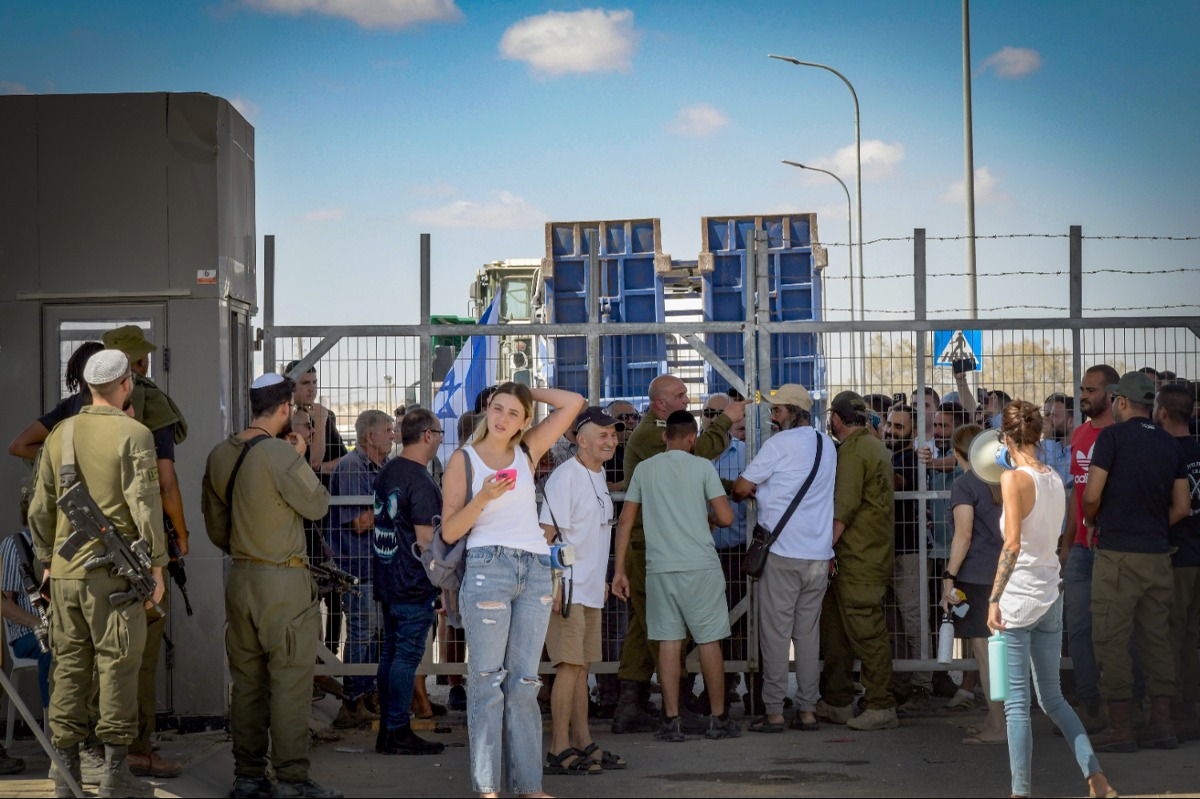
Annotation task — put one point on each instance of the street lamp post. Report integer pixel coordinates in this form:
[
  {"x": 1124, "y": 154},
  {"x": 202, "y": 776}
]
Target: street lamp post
[
  {"x": 858, "y": 169},
  {"x": 849, "y": 254}
]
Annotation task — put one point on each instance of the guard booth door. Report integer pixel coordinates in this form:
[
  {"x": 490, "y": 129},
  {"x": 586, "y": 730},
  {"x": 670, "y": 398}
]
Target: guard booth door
[{"x": 65, "y": 327}]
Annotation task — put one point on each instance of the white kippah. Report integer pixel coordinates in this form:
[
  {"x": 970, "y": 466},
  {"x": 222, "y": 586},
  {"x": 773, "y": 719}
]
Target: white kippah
[
  {"x": 105, "y": 367},
  {"x": 269, "y": 379}
]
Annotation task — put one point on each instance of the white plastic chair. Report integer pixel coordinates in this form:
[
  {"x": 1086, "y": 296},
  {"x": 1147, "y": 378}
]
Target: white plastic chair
[{"x": 19, "y": 668}]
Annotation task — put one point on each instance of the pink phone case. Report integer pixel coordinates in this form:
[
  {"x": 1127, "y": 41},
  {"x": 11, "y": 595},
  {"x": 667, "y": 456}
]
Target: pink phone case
[{"x": 508, "y": 474}]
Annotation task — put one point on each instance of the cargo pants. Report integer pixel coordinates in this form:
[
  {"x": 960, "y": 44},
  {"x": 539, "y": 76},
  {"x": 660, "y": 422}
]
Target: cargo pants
[
  {"x": 1185, "y": 630},
  {"x": 90, "y": 636},
  {"x": 1132, "y": 593},
  {"x": 271, "y": 642},
  {"x": 156, "y": 627},
  {"x": 638, "y": 653},
  {"x": 853, "y": 624}
]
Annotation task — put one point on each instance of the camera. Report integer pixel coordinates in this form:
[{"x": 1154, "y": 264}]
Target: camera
[{"x": 561, "y": 556}]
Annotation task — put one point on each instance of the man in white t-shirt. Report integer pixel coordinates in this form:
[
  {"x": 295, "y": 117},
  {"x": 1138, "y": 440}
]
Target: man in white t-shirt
[
  {"x": 577, "y": 500},
  {"x": 793, "y": 584}
]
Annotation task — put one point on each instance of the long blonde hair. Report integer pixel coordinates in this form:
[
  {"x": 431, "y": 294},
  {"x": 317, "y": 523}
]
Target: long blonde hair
[{"x": 523, "y": 396}]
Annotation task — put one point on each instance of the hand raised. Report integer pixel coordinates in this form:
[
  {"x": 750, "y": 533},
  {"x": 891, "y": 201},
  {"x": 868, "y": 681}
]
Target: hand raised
[{"x": 736, "y": 411}]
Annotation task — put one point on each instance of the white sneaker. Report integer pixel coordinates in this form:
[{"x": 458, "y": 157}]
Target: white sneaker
[
  {"x": 875, "y": 719},
  {"x": 833, "y": 713},
  {"x": 962, "y": 700}
]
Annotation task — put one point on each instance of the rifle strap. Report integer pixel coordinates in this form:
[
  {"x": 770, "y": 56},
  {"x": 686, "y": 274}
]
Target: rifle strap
[
  {"x": 67, "y": 473},
  {"x": 236, "y": 468}
]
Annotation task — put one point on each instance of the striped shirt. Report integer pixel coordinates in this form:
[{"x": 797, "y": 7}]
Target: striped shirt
[{"x": 10, "y": 580}]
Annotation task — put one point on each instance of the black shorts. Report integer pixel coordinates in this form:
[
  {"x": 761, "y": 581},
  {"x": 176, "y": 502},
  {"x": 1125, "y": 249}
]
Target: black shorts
[{"x": 974, "y": 624}]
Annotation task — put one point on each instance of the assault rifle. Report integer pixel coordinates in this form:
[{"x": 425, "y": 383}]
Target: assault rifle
[
  {"x": 131, "y": 561},
  {"x": 342, "y": 581},
  {"x": 176, "y": 568},
  {"x": 33, "y": 593}
]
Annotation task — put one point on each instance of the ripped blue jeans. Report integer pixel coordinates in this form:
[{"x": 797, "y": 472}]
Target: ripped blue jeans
[{"x": 505, "y": 603}]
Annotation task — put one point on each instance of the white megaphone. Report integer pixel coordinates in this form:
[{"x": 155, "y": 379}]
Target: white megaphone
[{"x": 989, "y": 457}]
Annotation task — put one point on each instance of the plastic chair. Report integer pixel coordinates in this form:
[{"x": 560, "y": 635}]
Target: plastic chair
[{"x": 20, "y": 667}]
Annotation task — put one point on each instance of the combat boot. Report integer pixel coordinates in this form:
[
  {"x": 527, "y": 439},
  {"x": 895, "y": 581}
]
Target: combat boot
[
  {"x": 307, "y": 789},
  {"x": 118, "y": 780},
  {"x": 629, "y": 717},
  {"x": 1160, "y": 732},
  {"x": 70, "y": 758},
  {"x": 1186, "y": 721},
  {"x": 1118, "y": 735}
]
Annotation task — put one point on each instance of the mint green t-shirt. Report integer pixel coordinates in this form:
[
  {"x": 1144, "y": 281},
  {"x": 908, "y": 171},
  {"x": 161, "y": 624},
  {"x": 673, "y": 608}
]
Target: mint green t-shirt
[{"x": 674, "y": 488}]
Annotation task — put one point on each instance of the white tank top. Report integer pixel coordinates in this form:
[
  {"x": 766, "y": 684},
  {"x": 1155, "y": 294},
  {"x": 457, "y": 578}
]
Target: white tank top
[
  {"x": 512, "y": 520},
  {"x": 1033, "y": 587}
]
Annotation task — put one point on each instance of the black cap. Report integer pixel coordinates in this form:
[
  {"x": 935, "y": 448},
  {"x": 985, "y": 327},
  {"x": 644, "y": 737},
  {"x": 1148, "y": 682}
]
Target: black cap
[{"x": 596, "y": 415}]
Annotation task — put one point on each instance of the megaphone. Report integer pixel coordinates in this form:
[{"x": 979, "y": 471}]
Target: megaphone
[{"x": 989, "y": 457}]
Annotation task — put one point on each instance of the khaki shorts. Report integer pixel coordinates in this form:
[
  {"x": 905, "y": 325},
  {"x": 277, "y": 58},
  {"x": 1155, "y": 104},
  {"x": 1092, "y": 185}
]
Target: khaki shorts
[
  {"x": 681, "y": 602},
  {"x": 576, "y": 639}
]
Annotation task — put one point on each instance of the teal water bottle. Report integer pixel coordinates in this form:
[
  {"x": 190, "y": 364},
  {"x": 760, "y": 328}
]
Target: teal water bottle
[{"x": 998, "y": 667}]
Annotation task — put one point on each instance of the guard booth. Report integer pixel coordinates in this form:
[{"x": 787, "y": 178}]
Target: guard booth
[{"x": 134, "y": 209}]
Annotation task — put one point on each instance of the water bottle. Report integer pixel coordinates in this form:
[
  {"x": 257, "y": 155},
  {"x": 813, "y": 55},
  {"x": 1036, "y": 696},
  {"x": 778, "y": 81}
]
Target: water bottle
[
  {"x": 998, "y": 667},
  {"x": 946, "y": 639}
]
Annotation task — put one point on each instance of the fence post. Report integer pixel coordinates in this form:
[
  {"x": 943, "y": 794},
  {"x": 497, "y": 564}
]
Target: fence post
[
  {"x": 1076, "y": 268},
  {"x": 593, "y": 317},
  {"x": 426, "y": 338},
  {"x": 919, "y": 297},
  {"x": 268, "y": 303}
]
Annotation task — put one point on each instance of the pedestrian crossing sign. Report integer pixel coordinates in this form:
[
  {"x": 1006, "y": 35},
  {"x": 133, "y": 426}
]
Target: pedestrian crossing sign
[{"x": 957, "y": 345}]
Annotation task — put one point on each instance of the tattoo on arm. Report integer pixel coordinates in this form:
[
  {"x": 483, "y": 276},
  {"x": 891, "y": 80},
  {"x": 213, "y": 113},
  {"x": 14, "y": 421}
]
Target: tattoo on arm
[{"x": 1004, "y": 570}]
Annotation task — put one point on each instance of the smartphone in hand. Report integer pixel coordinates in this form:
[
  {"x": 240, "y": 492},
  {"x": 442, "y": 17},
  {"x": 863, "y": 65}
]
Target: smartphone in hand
[{"x": 508, "y": 474}]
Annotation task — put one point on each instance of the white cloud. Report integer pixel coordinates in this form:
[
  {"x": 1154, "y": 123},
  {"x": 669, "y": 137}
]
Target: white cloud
[
  {"x": 698, "y": 121},
  {"x": 505, "y": 211},
  {"x": 324, "y": 215},
  {"x": 879, "y": 161},
  {"x": 8, "y": 87},
  {"x": 247, "y": 108},
  {"x": 1012, "y": 62},
  {"x": 987, "y": 189},
  {"x": 389, "y": 14},
  {"x": 558, "y": 42}
]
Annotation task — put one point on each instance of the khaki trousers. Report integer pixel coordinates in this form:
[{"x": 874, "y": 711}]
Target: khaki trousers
[{"x": 1132, "y": 594}]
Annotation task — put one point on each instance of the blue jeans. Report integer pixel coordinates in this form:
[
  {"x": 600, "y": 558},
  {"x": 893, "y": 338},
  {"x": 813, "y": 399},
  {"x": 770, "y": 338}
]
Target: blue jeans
[
  {"x": 405, "y": 628},
  {"x": 505, "y": 603},
  {"x": 1040, "y": 645},
  {"x": 1077, "y": 611},
  {"x": 362, "y": 637},
  {"x": 27, "y": 647}
]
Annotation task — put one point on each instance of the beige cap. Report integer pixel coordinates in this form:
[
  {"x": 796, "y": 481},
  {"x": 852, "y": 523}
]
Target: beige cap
[{"x": 791, "y": 394}]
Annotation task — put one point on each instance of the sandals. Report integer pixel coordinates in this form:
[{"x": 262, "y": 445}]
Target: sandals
[
  {"x": 607, "y": 760},
  {"x": 798, "y": 724},
  {"x": 761, "y": 724},
  {"x": 555, "y": 765}
]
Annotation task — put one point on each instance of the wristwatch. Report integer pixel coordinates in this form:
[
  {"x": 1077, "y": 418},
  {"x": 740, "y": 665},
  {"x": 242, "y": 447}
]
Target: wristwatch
[{"x": 946, "y": 575}]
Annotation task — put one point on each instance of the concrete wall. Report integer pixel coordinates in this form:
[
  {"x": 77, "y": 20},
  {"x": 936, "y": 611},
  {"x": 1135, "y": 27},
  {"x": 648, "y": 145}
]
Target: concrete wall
[{"x": 127, "y": 199}]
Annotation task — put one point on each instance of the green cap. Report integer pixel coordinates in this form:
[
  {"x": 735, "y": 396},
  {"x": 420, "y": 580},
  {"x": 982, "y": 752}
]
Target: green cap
[
  {"x": 1136, "y": 386},
  {"x": 848, "y": 402},
  {"x": 129, "y": 339}
]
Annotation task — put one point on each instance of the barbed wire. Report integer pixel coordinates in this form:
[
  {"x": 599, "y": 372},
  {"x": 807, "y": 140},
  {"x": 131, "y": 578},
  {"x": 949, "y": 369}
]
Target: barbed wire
[
  {"x": 1062, "y": 308},
  {"x": 996, "y": 236},
  {"x": 1026, "y": 273}
]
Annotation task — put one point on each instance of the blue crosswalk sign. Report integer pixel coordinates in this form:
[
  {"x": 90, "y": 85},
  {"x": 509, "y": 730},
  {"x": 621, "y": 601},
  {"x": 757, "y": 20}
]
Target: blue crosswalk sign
[{"x": 957, "y": 345}]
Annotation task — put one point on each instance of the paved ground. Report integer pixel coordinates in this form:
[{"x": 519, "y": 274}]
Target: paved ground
[{"x": 922, "y": 758}]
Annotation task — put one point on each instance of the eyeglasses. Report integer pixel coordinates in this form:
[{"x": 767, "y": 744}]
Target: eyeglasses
[
  {"x": 711, "y": 413},
  {"x": 438, "y": 432}
]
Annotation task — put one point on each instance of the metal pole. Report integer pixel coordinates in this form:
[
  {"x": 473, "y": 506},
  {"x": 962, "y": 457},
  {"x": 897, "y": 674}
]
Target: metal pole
[
  {"x": 969, "y": 156},
  {"x": 593, "y": 311},
  {"x": 1076, "y": 269},
  {"x": 762, "y": 270},
  {"x": 426, "y": 340},
  {"x": 850, "y": 255},
  {"x": 269, "y": 303}
]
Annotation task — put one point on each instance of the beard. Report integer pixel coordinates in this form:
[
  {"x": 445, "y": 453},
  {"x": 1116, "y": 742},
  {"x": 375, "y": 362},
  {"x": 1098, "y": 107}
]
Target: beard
[
  {"x": 128, "y": 403},
  {"x": 896, "y": 444}
]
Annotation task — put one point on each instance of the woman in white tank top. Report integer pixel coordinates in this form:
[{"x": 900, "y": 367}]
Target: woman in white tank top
[
  {"x": 506, "y": 594},
  {"x": 1025, "y": 605}
]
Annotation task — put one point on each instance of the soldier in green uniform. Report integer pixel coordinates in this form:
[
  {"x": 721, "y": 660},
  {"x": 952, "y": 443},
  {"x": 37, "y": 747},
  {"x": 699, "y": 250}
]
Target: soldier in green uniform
[
  {"x": 258, "y": 488},
  {"x": 116, "y": 461},
  {"x": 852, "y": 620},
  {"x": 667, "y": 395},
  {"x": 158, "y": 412}
]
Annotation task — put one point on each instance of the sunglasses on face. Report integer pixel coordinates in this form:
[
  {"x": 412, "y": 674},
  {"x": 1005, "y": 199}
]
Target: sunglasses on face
[
  {"x": 711, "y": 413},
  {"x": 629, "y": 417}
]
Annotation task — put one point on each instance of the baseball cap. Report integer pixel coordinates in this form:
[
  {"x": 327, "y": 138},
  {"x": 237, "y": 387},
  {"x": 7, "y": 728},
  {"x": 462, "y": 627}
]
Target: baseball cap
[
  {"x": 1136, "y": 386},
  {"x": 129, "y": 339},
  {"x": 848, "y": 402},
  {"x": 596, "y": 415},
  {"x": 790, "y": 394},
  {"x": 105, "y": 367}
]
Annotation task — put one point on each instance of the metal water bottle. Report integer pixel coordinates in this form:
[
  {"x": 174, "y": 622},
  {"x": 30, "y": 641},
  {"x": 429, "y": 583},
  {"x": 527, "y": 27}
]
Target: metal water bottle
[
  {"x": 998, "y": 667},
  {"x": 946, "y": 639}
]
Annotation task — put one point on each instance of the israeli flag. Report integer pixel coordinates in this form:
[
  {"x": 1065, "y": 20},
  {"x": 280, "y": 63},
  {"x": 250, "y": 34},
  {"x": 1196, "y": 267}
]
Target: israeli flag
[{"x": 474, "y": 370}]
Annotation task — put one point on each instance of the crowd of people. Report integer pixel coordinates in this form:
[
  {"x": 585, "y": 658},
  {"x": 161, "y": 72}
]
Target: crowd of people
[{"x": 1092, "y": 533}]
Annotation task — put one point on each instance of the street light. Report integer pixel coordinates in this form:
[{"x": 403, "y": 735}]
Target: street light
[
  {"x": 858, "y": 172},
  {"x": 849, "y": 254}
]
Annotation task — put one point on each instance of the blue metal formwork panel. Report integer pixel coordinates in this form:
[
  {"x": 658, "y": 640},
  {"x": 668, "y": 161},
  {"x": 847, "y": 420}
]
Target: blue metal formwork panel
[
  {"x": 794, "y": 285},
  {"x": 629, "y": 291}
]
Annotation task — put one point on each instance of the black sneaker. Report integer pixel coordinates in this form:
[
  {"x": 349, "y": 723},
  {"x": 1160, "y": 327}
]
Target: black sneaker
[
  {"x": 670, "y": 731},
  {"x": 406, "y": 742},
  {"x": 718, "y": 729},
  {"x": 250, "y": 788},
  {"x": 458, "y": 698},
  {"x": 307, "y": 789},
  {"x": 692, "y": 724}
]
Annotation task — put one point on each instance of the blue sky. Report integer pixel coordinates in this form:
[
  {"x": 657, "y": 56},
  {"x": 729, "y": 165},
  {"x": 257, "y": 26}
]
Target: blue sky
[{"x": 478, "y": 122}]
